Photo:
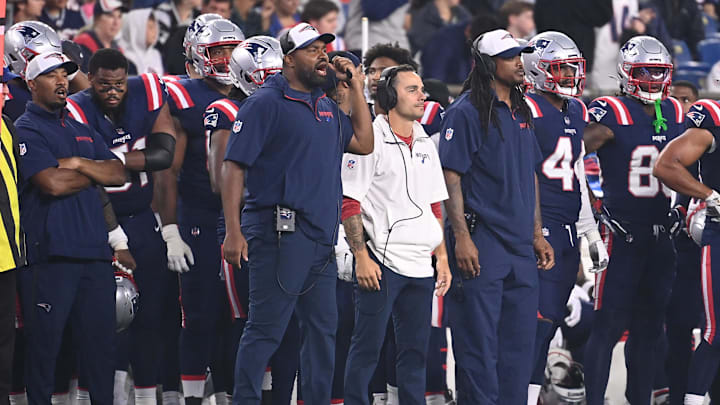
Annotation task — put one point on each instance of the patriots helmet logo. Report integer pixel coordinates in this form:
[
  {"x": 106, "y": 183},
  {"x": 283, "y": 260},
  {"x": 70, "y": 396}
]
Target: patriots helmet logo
[
  {"x": 696, "y": 117},
  {"x": 28, "y": 32},
  {"x": 540, "y": 44}
]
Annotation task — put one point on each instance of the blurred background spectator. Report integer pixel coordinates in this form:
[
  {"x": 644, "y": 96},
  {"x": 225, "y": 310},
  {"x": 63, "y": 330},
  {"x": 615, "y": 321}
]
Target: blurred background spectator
[
  {"x": 575, "y": 18},
  {"x": 65, "y": 21},
  {"x": 107, "y": 22},
  {"x": 683, "y": 19},
  {"x": 173, "y": 15},
  {"x": 518, "y": 19},
  {"x": 284, "y": 15},
  {"x": 432, "y": 16},
  {"x": 608, "y": 43},
  {"x": 248, "y": 17},
  {"x": 28, "y": 10},
  {"x": 324, "y": 15},
  {"x": 386, "y": 22},
  {"x": 447, "y": 55},
  {"x": 139, "y": 35}
]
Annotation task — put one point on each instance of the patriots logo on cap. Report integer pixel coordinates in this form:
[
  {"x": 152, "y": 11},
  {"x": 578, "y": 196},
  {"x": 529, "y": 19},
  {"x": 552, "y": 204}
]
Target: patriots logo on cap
[
  {"x": 449, "y": 134},
  {"x": 696, "y": 117},
  {"x": 237, "y": 126},
  {"x": 308, "y": 27}
]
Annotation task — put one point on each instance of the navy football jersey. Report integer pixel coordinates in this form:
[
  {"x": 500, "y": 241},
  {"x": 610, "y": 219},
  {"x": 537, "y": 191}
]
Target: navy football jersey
[
  {"x": 432, "y": 118},
  {"x": 145, "y": 97},
  {"x": 706, "y": 114},
  {"x": 560, "y": 137},
  {"x": 16, "y": 100},
  {"x": 188, "y": 100},
  {"x": 630, "y": 190}
]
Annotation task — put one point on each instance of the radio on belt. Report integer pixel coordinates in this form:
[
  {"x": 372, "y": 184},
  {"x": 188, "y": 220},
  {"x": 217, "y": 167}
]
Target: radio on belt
[{"x": 284, "y": 219}]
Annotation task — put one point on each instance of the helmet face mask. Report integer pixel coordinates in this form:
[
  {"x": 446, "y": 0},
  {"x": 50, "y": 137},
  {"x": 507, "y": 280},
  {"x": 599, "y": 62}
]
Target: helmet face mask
[
  {"x": 565, "y": 77},
  {"x": 555, "y": 65},
  {"x": 644, "y": 69},
  {"x": 648, "y": 82}
]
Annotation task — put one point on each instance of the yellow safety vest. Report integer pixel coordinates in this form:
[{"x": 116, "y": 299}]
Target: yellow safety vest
[{"x": 12, "y": 252}]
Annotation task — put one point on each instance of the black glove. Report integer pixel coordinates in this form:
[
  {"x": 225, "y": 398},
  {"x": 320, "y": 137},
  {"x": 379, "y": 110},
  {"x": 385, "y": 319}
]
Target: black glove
[
  {"x": 614, "y": 225},
  {"x": 676, "y": 221}
]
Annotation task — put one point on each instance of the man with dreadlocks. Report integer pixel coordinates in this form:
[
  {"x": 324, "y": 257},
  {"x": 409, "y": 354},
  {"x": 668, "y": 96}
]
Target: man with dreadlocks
[{"x": 489, "y": 154}]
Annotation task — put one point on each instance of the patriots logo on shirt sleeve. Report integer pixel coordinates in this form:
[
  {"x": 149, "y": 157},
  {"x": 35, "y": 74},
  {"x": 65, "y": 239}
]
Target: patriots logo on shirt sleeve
[
  {"x": 211, "y": 120},
  {"x": 696, "y": 117},
  {"x": 598, "y": 113}
]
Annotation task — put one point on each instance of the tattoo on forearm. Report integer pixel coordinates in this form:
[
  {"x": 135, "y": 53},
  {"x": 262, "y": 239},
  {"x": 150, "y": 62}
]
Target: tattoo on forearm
[{"x": 355, "y": 233}]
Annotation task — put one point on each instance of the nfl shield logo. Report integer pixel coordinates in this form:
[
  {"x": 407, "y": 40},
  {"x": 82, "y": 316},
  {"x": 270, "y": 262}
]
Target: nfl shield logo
[
  {"x": 449, "y": 134},
  {"x": 23, "y": 149},
  {"x": 567, "y": 120},
  {"x": 350, "y": 164},
  {"x": 237, "y": 126}
]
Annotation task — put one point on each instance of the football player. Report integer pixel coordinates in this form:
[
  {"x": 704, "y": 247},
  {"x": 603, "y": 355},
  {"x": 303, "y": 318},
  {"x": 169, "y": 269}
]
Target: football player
[
  {"x": 185, "y": 198},
  {"x": 134, "y": 119},
  {"x": 698, "y": 144},
  {"x": 628, "y": 133},
  {"x": 556, "y": 69}
]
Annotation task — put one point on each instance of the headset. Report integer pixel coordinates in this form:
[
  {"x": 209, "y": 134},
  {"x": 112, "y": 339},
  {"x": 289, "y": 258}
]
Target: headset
[
  {"x": 386, "y": 94},
  {"x": 387, "y": 99},
  {"x": 286, "y": 43},
  {"x": 485, "y": 63}
]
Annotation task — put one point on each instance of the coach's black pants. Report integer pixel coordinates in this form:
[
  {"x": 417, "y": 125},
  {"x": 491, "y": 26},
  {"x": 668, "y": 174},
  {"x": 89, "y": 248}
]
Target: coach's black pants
[{"x": 8, "y": 289}]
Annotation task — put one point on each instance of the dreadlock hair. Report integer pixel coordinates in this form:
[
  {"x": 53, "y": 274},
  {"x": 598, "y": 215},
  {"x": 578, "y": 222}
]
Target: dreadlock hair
[{"x": 483, "y": 98}]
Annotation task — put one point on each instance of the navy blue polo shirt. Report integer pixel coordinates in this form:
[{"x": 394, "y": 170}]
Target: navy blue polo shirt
[
  {"x": 292, "y": 144},
  {"x": 72, "y": 225},
  {"x": 498, "y": 173}
]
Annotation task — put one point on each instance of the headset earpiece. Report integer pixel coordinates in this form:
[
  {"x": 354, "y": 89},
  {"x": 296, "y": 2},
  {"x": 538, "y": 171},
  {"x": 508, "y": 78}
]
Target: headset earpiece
[
  {"x": 484, "y": 61},
  {"x": 286, "y": 44},
  {"x": 386, "y": 94}
]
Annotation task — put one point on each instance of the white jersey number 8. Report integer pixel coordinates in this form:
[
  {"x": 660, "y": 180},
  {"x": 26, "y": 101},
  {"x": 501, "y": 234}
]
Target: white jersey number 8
[{"x": 641, "y": 182}]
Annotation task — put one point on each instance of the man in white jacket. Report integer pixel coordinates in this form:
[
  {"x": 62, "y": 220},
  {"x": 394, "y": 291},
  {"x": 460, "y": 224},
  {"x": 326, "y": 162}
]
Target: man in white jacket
[{"x": 393, "y": 195}]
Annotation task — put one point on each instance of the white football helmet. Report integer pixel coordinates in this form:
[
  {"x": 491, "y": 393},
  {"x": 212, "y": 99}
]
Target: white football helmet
[
  {"x": 696, "y": 221},
  {"x": 126, "y": 300},
  {"x": 564, "y": 379},
  {"x": 553, "y": 53},
  {"x": 645, "y": 69},
  {"x": 253, "y": 61},
  {"x": 199, "y": 22},
  {"x": 25, "y": 40},
  {"x": 214, "y": 34}
]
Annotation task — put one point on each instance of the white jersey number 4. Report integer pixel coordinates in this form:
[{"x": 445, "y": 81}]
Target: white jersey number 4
[{"x": 559, "y": 164}]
